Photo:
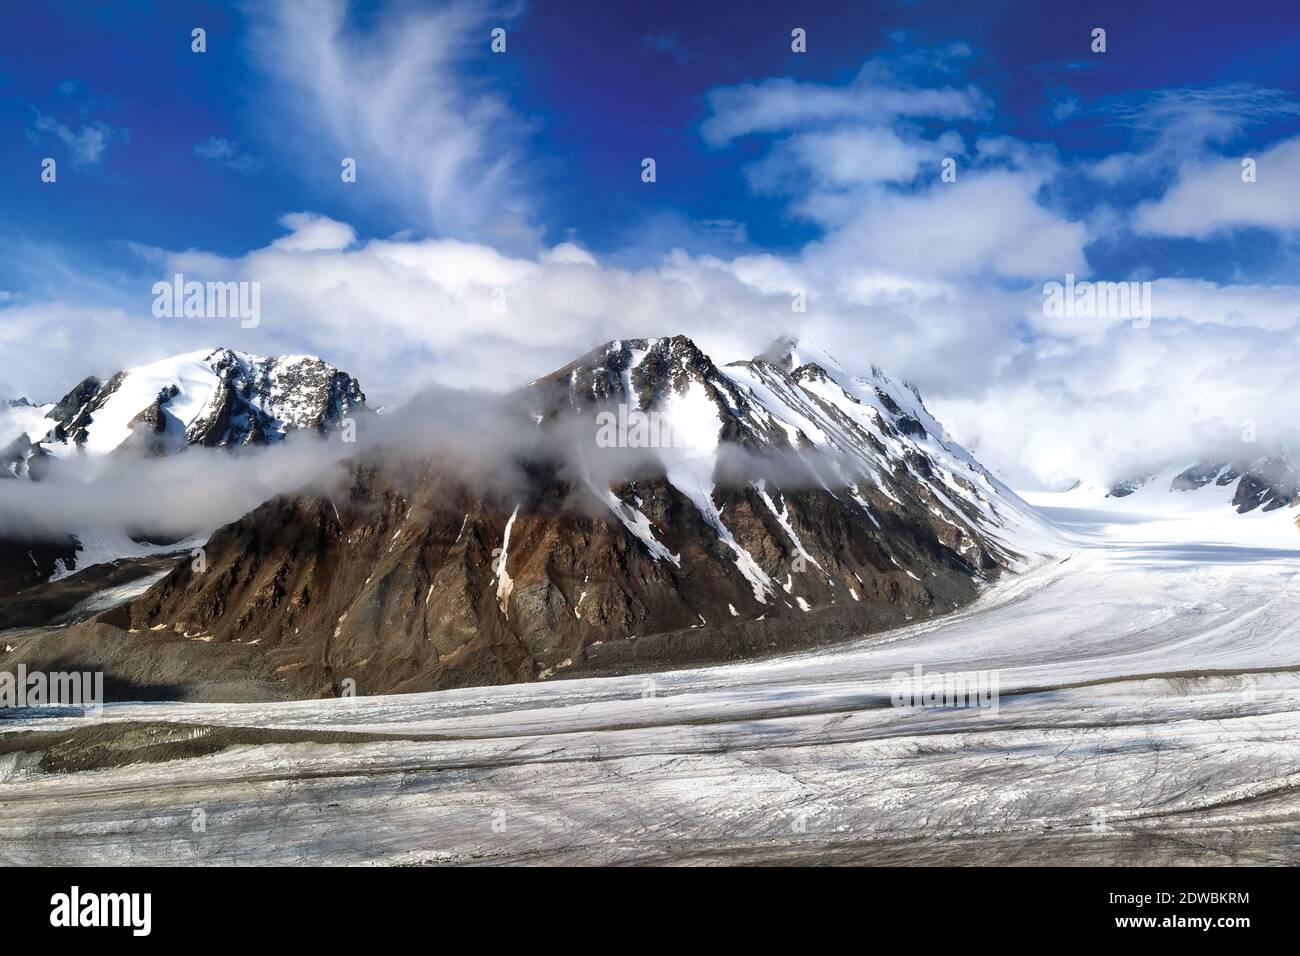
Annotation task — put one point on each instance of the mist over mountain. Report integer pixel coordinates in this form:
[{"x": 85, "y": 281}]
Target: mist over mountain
[{"x": 588, "y": 520}]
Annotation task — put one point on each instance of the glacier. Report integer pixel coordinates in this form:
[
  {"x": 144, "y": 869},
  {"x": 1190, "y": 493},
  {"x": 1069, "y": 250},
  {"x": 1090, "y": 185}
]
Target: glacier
[{"x": 1150, "y": 713}]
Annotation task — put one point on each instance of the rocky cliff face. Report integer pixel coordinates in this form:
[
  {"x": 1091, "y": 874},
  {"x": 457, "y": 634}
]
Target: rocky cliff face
[
  {"x": 26, "y": 560},
  {"x": 711, "y": 513}
]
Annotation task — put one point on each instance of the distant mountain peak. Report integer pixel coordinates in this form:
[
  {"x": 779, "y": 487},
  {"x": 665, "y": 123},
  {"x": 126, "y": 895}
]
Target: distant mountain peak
[
  {"x": 216, "y": 397},
  {"x": 1266, "y": 481}
]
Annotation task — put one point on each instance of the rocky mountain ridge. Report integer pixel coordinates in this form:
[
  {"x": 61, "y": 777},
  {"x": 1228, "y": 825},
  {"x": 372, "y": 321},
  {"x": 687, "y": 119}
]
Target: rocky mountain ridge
[{"x": 791, "y": 503}]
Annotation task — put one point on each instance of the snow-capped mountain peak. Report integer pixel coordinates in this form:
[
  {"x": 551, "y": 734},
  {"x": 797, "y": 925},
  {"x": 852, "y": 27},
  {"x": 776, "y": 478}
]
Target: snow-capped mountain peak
[
  {"x": 866, "y": 435},
  {"x": 213, "y": 397},
  {"x": 1267, "y": 481}
]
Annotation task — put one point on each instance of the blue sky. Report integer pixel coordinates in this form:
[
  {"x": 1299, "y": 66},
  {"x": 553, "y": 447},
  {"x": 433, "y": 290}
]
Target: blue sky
[
  {"x": 479, "y": 171},
  {"x": 601, "y": 92}
]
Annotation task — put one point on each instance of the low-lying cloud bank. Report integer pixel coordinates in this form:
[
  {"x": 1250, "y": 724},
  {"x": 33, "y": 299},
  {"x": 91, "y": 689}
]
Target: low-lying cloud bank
[
  {"x": 1040, "y": 399},
  {"x": 485, "y": 442}
]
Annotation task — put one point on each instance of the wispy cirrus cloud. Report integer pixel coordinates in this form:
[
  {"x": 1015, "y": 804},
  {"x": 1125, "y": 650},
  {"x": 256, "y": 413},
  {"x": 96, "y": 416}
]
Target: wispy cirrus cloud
[
  {"x": 74, "y": 123},
  {"x": 783, "y": 104},
  {"x": 85, "y": 146},
  {"x": 227, "y": 154},
  {"x": 886, "y": 90},
  {"x": 398, "y": 93},
  {"x": 1198, "y": 115}
]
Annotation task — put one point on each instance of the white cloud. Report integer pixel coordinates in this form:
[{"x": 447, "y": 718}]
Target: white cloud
[
  {"x": 1272, "y": 308},
  {"x": 396, "y": 97},
  {"x": 782, "y": 104},
  {"x": 844, "y": 158},
  {"x": 312, "y": 233},
  {"x": 228, "y": 155},
  {"x": 1134, "y": 400},
  {"x": 86, "y": 147},
  {"x": 1210, "y": 197},
  {"x": 1087, "y": 399},
  {"x": 984, "y": 221},
  {"x": 858, "y": 161}
]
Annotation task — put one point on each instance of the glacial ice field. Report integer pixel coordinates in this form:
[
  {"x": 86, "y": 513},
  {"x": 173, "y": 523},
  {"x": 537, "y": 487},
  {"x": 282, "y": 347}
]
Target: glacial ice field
[{"x": 1147, "y": 711}]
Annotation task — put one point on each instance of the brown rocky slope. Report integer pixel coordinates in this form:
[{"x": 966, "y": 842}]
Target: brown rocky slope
[{"x": 848, "y": 510}]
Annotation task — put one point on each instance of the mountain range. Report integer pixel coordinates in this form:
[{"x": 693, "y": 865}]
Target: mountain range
[
  {"x": 792, "y": 502},
  {"x": 799, "y": 503},
  {"x": 659, "y": 510},
  {"x": 1265, "y": 481}
]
